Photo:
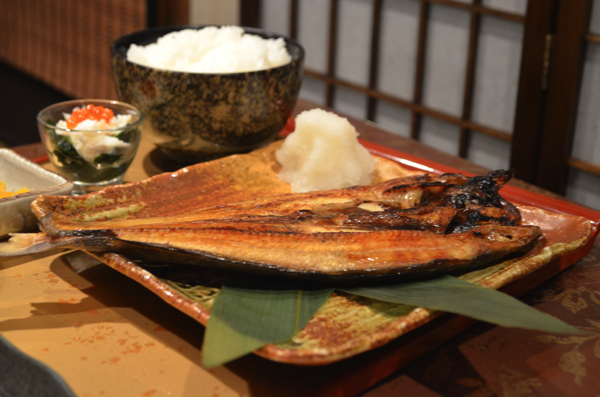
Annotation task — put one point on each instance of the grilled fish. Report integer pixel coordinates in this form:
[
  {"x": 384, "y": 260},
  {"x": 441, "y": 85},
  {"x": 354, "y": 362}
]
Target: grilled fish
[{"x": 415, "y": 226}]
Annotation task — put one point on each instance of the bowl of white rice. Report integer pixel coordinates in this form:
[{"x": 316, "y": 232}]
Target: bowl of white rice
[{"x": 208, "y": 91}]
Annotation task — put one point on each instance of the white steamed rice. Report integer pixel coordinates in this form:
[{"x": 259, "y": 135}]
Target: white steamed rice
[{"x": 211, "y": 50}]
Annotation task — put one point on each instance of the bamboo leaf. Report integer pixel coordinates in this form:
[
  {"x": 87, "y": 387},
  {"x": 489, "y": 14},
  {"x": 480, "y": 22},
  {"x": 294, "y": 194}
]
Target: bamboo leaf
[
  {"x": 454, "y": 295},
  {"x": 244, "y": 318},
  {"x": 247, "y": 315}
]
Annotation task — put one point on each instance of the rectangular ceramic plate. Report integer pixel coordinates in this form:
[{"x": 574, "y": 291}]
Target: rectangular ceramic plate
[
  {"x": 18, "y": 172},
  {"x": 347, "y": 325}
]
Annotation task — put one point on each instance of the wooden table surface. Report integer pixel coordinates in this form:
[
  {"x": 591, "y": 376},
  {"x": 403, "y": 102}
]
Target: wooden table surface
[{"x": 105, "y": 335}]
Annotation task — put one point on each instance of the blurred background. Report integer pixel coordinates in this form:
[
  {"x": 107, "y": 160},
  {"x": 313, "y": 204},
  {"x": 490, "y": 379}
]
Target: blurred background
[{"x": 503, "y": 83}]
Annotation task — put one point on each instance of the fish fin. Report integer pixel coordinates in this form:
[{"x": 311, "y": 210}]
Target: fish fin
[{"x": 31, "y": 243}]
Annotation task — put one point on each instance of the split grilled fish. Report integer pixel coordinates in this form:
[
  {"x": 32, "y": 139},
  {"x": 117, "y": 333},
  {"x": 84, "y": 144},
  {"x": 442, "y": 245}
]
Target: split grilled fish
[{"x": 415, "y": 226}]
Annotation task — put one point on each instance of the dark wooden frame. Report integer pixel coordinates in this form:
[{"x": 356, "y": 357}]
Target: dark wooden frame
[
  {"x": 564, "y": 83},
  {"x": 414, "y": 104},
  {"x": 531, "y": 97},
  {"x": 171, "y": 12}
]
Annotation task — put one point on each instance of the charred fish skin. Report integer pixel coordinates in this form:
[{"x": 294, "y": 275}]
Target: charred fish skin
[
  {"x": 338, "y": 256},
  {"x": 478, "y": 202},
  {"x": 411, "y": 227},
  {"x": 452, "y": 204},
  {"x": 435, "y": 203}
]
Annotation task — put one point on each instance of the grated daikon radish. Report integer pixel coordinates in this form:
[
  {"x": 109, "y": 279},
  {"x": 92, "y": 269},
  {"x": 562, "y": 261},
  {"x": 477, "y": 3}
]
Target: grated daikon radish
[{"x": 324, "y": 153}]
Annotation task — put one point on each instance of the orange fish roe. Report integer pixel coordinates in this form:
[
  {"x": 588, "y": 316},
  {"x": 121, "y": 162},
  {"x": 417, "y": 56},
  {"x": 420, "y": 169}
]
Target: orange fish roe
[{"x": 90, "y": 112}]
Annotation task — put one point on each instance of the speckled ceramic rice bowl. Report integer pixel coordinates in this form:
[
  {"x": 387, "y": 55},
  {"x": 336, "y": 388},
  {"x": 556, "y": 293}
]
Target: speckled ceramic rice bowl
[{"x": 195, "y": 117}]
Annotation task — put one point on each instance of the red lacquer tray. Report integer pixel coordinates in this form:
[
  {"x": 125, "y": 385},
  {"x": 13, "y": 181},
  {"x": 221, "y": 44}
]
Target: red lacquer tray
[
  {"x": 403, "y": 341},
  {"x": 377, "y": 365}
]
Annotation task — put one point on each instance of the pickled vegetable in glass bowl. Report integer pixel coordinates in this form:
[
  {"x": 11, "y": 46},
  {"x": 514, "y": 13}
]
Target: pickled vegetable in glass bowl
[{"x": 91, "y": 142}]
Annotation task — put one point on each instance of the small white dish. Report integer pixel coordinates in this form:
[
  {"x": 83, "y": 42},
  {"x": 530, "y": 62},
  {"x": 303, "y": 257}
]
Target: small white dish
[{"x": 18, "y": 172}]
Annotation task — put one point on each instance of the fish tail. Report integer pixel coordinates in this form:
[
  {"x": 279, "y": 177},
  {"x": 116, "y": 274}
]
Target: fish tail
[{"x": 31, "y": 243}]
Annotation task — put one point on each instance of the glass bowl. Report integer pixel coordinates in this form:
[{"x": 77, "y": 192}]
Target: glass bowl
[{"x": 90, "y": 158}]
